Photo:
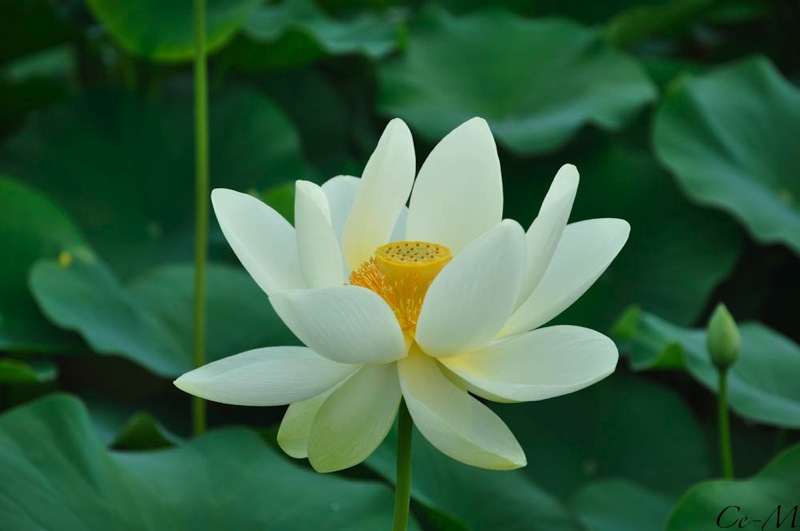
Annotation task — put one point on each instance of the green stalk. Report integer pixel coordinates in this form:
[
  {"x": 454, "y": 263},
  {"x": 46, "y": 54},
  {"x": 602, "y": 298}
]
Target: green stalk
[
  {"x": 402, "y": 494},
  {"x": 201, "y": 208},
  {"x": 724, "y": 426}
]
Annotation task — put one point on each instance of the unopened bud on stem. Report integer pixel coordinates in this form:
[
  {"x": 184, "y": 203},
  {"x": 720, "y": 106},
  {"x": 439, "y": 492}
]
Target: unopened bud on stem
[{"x": 722, "y": 340}]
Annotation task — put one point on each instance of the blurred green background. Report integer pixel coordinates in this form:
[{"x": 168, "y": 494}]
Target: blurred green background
[{"x": 682, "y": 116}]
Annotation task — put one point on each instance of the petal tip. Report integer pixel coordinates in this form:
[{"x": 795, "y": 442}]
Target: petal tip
[
  {"x": 184, "y": 383},
  {"x": 512, "y": 225},
  {"x": 219, "y": 195},
  {"x": 477, "y": 125},
  {"x": 568, "y": 172},
  {"x": 301, "y": 184},
  {"x": 325, "y": 466},
  {"x": 225, "y": 200},
  {"x": 624, "y": 227},
  {"x": 290, "y": 447},
  {"x": 614, "y": 227},
  {"x": 398, "y": 125},
  {"x": 478, "y": 121}
]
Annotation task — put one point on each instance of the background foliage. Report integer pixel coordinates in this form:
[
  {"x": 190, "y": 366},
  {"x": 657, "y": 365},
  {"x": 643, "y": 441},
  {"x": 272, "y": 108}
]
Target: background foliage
[{"x": 683, "y": 117}]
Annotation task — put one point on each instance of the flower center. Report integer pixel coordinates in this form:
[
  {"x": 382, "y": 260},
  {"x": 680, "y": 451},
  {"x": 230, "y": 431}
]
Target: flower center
[{"x": 401, "y": 273}]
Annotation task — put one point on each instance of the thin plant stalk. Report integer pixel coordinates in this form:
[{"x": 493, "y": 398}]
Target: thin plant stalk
[
  {"x": 202, "y": 198},
  {"x": 724, "y": 426},
  {"x": 402, "y": 495}
]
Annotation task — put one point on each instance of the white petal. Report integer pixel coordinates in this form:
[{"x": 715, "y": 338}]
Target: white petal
[
  {"x": 452, "y": 420},
  {"x": 341, "y": 192},
  {"x": 540, "y": 364},
  {"x": 545, "y": 231},
  {"x": 355, "y": 419},
  {"x": 399, "y": 231},
  {"x": 317, "y": 246},
  {"x": 586, "y": 249},
  {"x": 271, "y": 376},
  {"x": 348, "y": 324},
  {"x": 474, "y": 294},
  {"x": 385, "y": 185},
  {"x": 262, "y": 239},
  {"x": 296, "y": 425},
  {"x": 458, "y": 194}
]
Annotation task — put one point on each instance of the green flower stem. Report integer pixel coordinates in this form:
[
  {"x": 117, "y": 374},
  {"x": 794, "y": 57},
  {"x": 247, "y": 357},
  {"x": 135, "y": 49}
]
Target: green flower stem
[
  {"x": 201, "y": 209},
  {"x": 724, "y": 426},
  {"x": 402, "y": 494}
]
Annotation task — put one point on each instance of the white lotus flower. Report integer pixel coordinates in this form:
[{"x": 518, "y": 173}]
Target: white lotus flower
[{"x": 451, "y": 306}]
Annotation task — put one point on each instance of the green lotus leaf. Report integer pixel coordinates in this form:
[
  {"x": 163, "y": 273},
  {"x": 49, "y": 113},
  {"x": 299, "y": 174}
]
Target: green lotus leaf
[
  {"x": 580, "y": 10},
  {"x": 762, "y": 384},
  {"x": 295, "y": 32},
  {"x": 15, "y": 371},
  {"x": 590, "y": 436},
  {"x": 33, "y": 227},
  {"x": 144, "y": 432},
  {"x": 667, "y": 18},
  {"x": 612, "y": 505},
  {"x": 123, "y": 168},
  {"x": 162, "y": 30},
  {"x": 455, "y": 494},
  {"x": 58, "y": 475},
  {"x": 677, "y": 252},
  {"x": 729, "y": 137},
  {"x": 537, "y": 82},
  {"x": 768, "y": 500},
  {"x": 149, "y": 320}
]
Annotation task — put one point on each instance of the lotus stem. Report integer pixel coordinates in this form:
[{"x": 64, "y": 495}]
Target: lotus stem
[
  {"x": 402, "y": 495},
  {"x": 202, "y": 198},
  {"x": 724, "y": 426}
]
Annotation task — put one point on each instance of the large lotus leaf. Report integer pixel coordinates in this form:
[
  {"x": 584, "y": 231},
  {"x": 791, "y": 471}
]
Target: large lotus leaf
[
  {"x": 730, "y": 139},
  {"x": 369, "y": 34},
  {"x": 466, "y": 497},
  {"x": 536, "y": 81},
  {"x": 677, "y": 253},
  {"x": 586, "y": 12},
  {"x": 297, "y": 31},
  {"x": 15, "y": 371},
  {"x": 663, "y": 19},
  {"x": 163, "y": 30},
  {"x": 149, "y": 321},
  {"x": 124, "y": 168},
  {"x": 143, "y": 432},
  {"x": 55, "y": 474},
  {"x": 766, "y": 501},
  {"x": 321, "y": 114},
  {"x": 762, "y": 384},
  {"x": 154, "y": 419},
  {"x": 614, "y": 505},
  {"x": 33, "y": 227},
  {"x": 623, "y": 427}
]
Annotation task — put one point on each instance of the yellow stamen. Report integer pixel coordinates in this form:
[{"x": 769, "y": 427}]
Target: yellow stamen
[{"x": 401, "y": 273}]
